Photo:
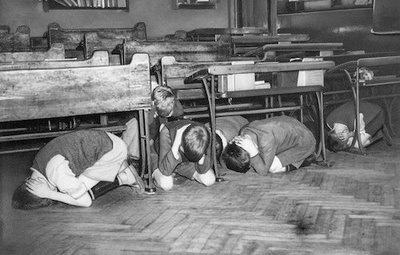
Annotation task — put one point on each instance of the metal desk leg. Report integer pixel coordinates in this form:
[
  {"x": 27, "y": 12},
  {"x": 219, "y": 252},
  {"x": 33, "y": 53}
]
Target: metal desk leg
[
  {"x": 322, "y": 149},
  {"x": 357, "y": 108},
  {"x": 211, "y": 102},
  {"x": 145, "y": 150}
]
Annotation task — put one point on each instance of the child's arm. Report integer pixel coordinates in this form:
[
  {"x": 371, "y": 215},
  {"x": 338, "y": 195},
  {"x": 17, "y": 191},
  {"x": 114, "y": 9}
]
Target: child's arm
[
  {"x": 40, "y": 188},
  {"x": 261, "y": 157},
  {"x": 262, "y": 162},
  {"x": 169, "y": 151},
  {"x": 178, "y": 109},
  {"x": 204, "y": 163}
]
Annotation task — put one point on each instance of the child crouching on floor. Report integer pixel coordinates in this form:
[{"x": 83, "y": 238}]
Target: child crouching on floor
[
  {"x": 272, "y": 145},
  {"x": 75, "y": 168},
  {"x": 184, "y": 149}
]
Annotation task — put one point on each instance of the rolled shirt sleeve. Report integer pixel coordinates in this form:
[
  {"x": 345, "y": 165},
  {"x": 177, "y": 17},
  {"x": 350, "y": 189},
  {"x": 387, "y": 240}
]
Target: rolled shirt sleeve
[
  {"x": 61, "y": 176},
  {"x": 167, "y": 161}
]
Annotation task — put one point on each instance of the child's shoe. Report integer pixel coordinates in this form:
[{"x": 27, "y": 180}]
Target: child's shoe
[
  {"x": 130, "y": 177},
  {"x": 135, "y": 162}
]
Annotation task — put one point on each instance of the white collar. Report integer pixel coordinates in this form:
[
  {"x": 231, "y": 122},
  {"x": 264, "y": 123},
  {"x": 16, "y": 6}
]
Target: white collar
[{"x": 223, "y": 138}]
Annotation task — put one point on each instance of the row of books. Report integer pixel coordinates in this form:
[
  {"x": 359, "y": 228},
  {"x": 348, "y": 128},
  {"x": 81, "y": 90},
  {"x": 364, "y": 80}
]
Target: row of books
[
  {"x": 193, "y": 1},
  {"x": 93, "y": 3}
]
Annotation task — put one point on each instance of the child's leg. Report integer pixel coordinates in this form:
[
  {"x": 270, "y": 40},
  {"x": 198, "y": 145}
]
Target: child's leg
[
  {"x": 163, "y": 181},
  {"x": 276, "y": 166},
  {"x": 208, "y": 178},
  {"x": 386, "y": 136},
  {"x": 131, "y": 137},
  {"x": 102, "y": 188},
  {"x": 129, "y": 176}
]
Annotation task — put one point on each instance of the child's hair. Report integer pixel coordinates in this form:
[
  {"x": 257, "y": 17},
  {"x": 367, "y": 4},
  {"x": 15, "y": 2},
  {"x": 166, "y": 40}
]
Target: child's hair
[
  {"x": 334, "y": 144},
  {"x": 365, "y": 74},
  {"x": 164, "y": 99},
  {"x": 236, "y": 158},
  {"x": 25, "y": 200},
  {"x": 195, "y": 141}
]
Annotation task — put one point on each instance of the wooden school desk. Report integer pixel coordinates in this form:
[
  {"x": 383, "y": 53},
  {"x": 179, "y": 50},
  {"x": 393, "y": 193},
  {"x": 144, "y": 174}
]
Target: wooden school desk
[{"x": 209, "y": 76}]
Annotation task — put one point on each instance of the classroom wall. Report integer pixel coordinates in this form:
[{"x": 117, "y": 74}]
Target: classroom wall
[
  {"x": 352, "y": 27},
  {"x": 159, "y": 16}
]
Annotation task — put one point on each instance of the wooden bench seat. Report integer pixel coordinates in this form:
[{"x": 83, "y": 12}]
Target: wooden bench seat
[
  {"x": 57, "y": 51},
  {"x": 182, "y": 51},
  {"x": 72, "y": 37},
  {"x": 15, "y": 42},
  {"x": 99, "y": 58}
]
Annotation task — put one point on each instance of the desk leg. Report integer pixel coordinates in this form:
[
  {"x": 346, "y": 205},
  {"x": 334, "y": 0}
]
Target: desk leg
[
  {"x": 211, "y": 102},
  {"x": 357, "y": 138},
  {"x": 145, "y": 150},
  {"x": 322, "y": 149}
]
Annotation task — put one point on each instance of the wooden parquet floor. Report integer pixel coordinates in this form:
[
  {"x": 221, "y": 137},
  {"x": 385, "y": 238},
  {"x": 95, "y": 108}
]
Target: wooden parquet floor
[{"x": 350, "y": 208}]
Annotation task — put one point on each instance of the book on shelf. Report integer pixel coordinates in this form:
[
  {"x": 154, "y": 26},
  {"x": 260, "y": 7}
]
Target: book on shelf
[
  {"x": 61, "y": 2},
  {"x": 74, "y": 3},
  {"x": 121, "y": 3},
  {"x": 68, "y": 2}
]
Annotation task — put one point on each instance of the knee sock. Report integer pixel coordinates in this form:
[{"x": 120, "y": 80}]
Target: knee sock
[{"x": 102, "y": 188}]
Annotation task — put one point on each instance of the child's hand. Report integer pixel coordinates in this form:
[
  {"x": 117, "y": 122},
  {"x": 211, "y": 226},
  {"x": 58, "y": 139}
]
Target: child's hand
[
  {"x": 247, "y": 144},
  {"x": 38, "y": 187}
]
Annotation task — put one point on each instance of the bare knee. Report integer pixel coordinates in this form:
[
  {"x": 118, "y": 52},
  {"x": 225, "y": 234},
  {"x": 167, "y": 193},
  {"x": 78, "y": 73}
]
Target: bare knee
[
  {"x": 207, "y": 178},
  {"x": 163, "y": 181}
]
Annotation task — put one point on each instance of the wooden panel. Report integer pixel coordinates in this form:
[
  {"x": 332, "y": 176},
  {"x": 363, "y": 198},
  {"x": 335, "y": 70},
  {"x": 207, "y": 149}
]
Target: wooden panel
[
  {"x": 33, "y": 94},
  {"x": 93, "y": 42},
  {"x": 295, "y": 47},
  {"x": 71, "y": 38},
  {"x": 263, "y": 39},
  {"x": 55, "y": 52},
  {"x": 270, "y": 67},
  {"x": 100, "y": 58},
  {"x": 378, "y": 61},
  {"x": 172, "y": 69},
  {"x": 182, "y": 51},
  {"x": 18, "y": 41}
]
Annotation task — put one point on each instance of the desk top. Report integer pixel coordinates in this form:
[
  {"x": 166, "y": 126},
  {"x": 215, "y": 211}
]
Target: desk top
[{"x": 263, "y": 67}]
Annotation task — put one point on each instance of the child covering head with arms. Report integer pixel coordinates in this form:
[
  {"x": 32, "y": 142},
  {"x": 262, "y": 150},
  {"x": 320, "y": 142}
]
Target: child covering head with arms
[
  {"x": 75, "y": 168},
  {"x": 185, "y": 149},
  {"x": 276, "y": 144},
  {"x": 341, "y": 122}
]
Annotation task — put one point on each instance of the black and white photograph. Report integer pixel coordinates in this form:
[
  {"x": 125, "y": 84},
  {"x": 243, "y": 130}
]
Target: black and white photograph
[{"x": 247, "y": 127}]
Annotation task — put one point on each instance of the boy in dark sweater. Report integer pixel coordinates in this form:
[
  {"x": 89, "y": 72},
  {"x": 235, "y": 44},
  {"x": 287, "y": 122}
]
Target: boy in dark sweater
[
  {"x": 75, "y": 168},
  {"x": 185, "y": 149}
]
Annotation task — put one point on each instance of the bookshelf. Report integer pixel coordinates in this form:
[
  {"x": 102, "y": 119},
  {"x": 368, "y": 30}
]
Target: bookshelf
[{"x": 86, "y": 4}]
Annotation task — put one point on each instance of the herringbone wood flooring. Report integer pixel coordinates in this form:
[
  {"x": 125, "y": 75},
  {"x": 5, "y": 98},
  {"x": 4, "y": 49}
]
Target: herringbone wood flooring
[{"x": 350, "y": 208}]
